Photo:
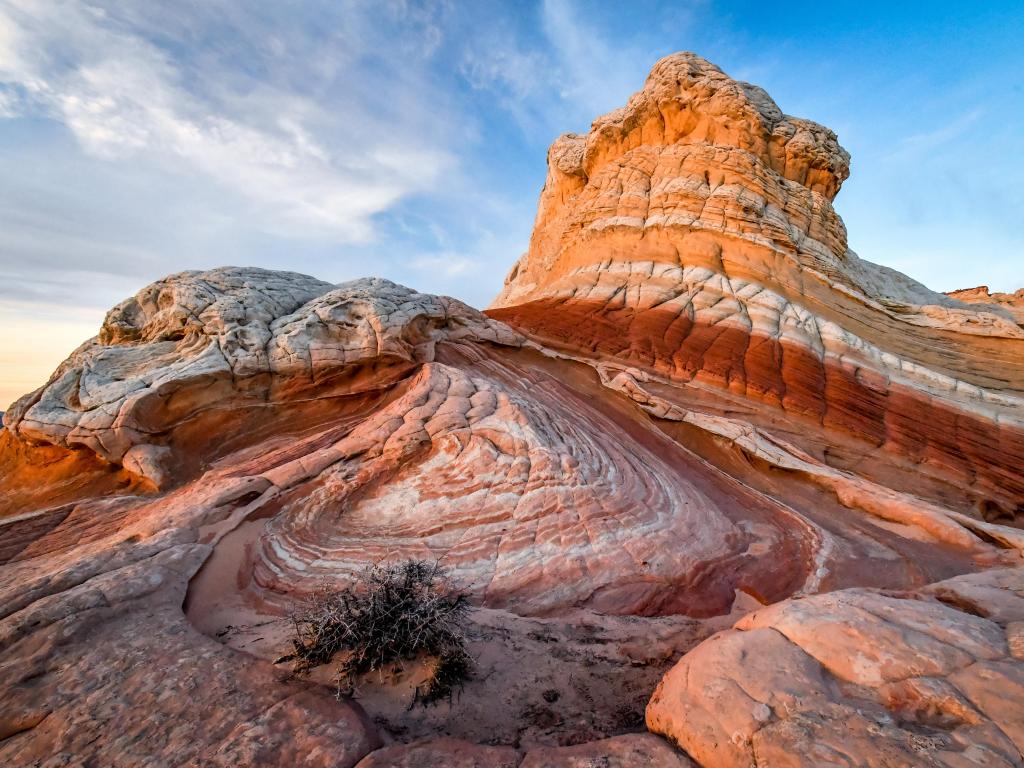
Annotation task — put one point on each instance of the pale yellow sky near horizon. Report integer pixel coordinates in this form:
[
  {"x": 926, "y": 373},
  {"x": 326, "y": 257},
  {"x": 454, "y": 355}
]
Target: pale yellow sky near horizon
[{"x": 34, "y": 345}]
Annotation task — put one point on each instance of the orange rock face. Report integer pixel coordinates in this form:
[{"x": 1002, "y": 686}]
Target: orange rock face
[
  {"x": 927, "y": 678},
  {"x": 692, "y": 408},
  {"x": 691, "y": 234}
]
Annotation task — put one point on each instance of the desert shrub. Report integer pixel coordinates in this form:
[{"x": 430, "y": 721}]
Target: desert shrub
[{"x": 390, "y": 613}]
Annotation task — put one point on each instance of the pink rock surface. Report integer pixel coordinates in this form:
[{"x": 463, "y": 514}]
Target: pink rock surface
[
  {"x": 626, "y": 751},
  {"x": 910, "y": 678},
  {"x": 450, "y": 753},
  {"x": 618, "y": 752},
  {"x": 690, "y": 402}
]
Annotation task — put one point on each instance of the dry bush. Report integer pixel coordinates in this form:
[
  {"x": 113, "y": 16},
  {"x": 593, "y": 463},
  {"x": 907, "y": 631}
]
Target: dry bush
[{"x": 391, "y": 613}]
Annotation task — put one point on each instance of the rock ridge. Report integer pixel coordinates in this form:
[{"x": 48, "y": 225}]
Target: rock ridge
[{"x": 695, "y": 438}]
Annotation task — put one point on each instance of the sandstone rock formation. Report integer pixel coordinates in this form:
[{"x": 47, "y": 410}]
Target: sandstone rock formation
[
  {"x": 692, "y": 234},
  {"x": 691, "y": 409},
  {"x": 926, "y": 678},
  {"x": 617, "y": 752},
  {"x": 1011, "y": 302},
  {"x": 195, "y": 343}
]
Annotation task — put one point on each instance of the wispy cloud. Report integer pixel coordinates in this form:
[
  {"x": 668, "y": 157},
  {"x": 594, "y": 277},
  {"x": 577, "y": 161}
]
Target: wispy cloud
[
  {"x": 567, "y": 69},
  {"x": 597, "y": 73},
  {"x": 303, "y": 170},
  {"x": 448, "y": 264},
  {"x": 934, "y": 138}
]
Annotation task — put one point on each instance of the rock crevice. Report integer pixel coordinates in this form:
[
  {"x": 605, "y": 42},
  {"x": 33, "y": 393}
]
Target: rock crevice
[{"x": 696, "y": 437}]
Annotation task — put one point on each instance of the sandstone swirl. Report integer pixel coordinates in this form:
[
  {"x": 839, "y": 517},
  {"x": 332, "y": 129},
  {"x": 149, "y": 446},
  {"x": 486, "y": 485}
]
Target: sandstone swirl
[
  {"x": 692, "y": 234},
  {"x": 691, "y": 401}
]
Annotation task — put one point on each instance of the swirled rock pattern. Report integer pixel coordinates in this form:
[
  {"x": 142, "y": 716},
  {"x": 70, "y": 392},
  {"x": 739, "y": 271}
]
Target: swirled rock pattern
[
  {"x": 507, "y": 476},
  {"x": 691, "y": 233},
  {"x": 692, "y": 410},
  {"x": 197, "y": 342}
]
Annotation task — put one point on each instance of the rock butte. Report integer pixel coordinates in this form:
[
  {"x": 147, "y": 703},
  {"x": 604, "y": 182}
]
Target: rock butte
[{"x": 695, "y": 438}]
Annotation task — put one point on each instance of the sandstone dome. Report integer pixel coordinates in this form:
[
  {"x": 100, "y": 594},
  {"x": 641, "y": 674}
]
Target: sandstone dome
[{"x": 697, "y": 455}]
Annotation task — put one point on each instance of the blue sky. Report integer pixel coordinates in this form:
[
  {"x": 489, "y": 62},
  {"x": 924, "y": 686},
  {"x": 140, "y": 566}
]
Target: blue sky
[{"x": 408, "y": 140}]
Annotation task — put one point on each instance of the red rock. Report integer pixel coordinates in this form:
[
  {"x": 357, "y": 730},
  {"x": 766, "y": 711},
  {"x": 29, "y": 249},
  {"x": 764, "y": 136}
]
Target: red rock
[
  {"x": 625, "y": 751},
  {"x": 441, "y": 753},
  {"x": 691, "y": 400}
]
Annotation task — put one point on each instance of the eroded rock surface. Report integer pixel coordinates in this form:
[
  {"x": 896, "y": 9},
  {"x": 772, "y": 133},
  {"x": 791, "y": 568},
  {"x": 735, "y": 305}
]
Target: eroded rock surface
[
  {"x": 691, "y": 234},
  {"x": 1011, "y": 302},
  {"x": 925, "y": 678},
  {"x": 198, "y": 342},
  {"x": 691, "y": 409}
]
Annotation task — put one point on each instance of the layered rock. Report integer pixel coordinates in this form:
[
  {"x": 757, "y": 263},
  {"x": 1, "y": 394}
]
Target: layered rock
[
  {"x": 690, "y": 402},
  {"x": 384, "y": 446},
  {"x": 1010, "y": 302},
  {"x": 100, "y": 663},
  {"x": 391, "y": 389},
  {"x": 241, "y": 339},
  {"x": 691, "y": 233},
  {"x": 522, "y": 496}
]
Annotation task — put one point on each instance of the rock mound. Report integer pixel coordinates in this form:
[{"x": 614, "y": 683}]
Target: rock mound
[
  {"x": 929, "y": 678},
  {"x": 691, "y": 409},
  {"x": 198, "y": 343},
  {"x": 691, "y": 235}
]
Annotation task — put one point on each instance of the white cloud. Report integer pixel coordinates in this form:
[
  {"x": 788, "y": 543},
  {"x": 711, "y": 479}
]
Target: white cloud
[
  {"x": 573, "y": 71},
  {"x": 930, "y": 140},
  {"x": 303, "y": 170},
  {"x": 448, "y": 264},
  {"x": 597, "y": 75},
  {"x": 521, "y": 79},
  {"x": 9, "y": 106}
]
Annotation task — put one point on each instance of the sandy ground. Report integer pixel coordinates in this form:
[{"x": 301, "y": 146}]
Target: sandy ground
[{"x": 538, "y": 681}]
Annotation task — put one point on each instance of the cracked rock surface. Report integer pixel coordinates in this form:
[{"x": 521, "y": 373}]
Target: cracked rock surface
[
  {"x": 185, "y": 343},
  {"x": 696, "y": 439},
  {"x": 930, "y": 677}
]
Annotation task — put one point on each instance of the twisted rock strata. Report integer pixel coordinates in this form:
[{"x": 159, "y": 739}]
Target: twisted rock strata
[
  {"x": 692, "y": 234},
  {"x": 691, "y": 407}
]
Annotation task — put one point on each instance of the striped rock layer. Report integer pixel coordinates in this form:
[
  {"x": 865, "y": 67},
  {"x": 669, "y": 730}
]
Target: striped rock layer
[
  {"x": 690, "y": 399},
  {"x": 691, "y": 234}
]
